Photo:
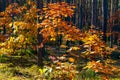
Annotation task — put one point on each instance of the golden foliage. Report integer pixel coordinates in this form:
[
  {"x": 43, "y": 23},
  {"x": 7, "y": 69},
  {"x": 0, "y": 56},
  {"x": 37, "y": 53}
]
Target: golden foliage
[
  {"x": 71, "y": 60},
  {"x": 52, "y": 24},
  {"x": 104, "y": 69}
]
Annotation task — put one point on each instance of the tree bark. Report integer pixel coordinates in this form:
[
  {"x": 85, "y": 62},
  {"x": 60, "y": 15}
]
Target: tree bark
[
  {"x": 80, "y": 14},
  {"x": 94, "y": 13},
  {"x": 40, "y": 50},
  {"x": 10, "y": 1},
  {"x": 68, "y": 1},
  {"x": 105, "y": 16},
  {"x": 111, "y": 31},
  {"x": 4, "y": 6},
  {"x": 117, "y": 3}
]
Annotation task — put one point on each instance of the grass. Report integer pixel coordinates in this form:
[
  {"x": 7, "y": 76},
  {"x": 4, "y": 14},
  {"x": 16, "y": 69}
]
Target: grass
[
  {"x": 18, "y": 68},
  {"x": 24, "y": 68}
]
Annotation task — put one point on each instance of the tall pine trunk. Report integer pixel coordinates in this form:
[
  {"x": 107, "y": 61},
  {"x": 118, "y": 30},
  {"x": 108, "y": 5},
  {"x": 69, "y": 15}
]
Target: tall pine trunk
[
  {"x": 94, "y": 13},
  {"x": 111, "y": 32},
  {"x": 10, "y": 1},
  {"x": 105, "y": 16},
  {"x": 80, "y": 14},
  {"x": 117, "y": 5}
]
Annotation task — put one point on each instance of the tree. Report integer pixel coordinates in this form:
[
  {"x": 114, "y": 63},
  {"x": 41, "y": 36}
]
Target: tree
[
  {"x": 111, "y": 14},
  {"x": 2, "y": 5},
  {"x": 46, "y": 25},
  {"x": 40, "y": 50},
  {"x": 117, "y": 5},
  {"x": 80, "y": 14},
  {"x": 105, "y": 16},
  {"x": 10, "y": 1},
  {"x": 94, "y": 13}
]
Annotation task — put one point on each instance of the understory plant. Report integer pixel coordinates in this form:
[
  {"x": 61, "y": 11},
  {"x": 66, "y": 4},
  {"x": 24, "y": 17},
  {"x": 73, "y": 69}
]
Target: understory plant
[{"x": 22, "y": 23}]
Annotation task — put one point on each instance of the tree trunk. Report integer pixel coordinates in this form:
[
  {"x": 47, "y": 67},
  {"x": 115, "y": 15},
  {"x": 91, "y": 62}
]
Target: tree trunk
[
  {"x": 40, "y": 4},
  {"x": 89, "y": 12},
  {"x": 94, "y": 13},
  {"x": 4, "y": 27},
  {"x": 2, "y": 5},
  {"x": 74, "y": 16},
  {"x": 10, "y": 1},
  {"x": 111, "y": 32},
  {"x": 105, "y": 16},
  {"x": 77, "y": 13},
  {"x": 40, "y": 50},
  {"x": 68, "y": 1},
  {"x": 80, "y": 14},
  {"x": 117, "y": 3}
]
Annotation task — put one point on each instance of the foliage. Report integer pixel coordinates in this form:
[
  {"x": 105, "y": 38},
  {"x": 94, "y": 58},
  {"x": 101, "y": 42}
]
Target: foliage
[
  {"x": 22, "y": 24},
  {"x": 21, "y": 32},
  {"x": 59, "y": 71},
  {"x": 18, "y": 67}
]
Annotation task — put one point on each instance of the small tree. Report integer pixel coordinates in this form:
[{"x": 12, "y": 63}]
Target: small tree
[{"x": 24, "y": 31}]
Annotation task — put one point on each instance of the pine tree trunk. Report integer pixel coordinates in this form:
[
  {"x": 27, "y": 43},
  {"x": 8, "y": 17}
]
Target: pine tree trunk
[
  {"x": 111, "y": 36},
  {"x": 80, "y": 14},
  {"x": 117, "y": 3},
  {"x": 94, "y": 13},
  {"x": 40, "y": 50},
  {"x": 10, "y": 1},
  {"x": 105, "y": 16}
]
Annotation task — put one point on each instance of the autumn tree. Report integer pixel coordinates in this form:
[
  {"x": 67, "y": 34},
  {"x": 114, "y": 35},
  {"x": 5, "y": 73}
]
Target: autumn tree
[
  {"x": 41, "y": 50},
  {"x": 34, "y": 25}
]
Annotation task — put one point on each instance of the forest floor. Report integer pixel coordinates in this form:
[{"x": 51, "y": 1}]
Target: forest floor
[
  {"x": 18, "y": 68},
  {"x": 24, "y": 68}
]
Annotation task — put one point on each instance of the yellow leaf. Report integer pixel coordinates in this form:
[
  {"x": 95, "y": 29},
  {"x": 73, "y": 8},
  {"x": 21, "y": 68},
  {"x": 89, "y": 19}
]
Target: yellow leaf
[
  {"x": 52, "y": 39},
  {"x": 41, "y": 17},
  {"x": 75, "y": 48},
  {"x": 66, "y": 15},
  {"x": 71, "y": 60},
  {"x": 63, "y": 46},
  {"x": 45, "y": 9},
  {"x": 73, "y": 6}
]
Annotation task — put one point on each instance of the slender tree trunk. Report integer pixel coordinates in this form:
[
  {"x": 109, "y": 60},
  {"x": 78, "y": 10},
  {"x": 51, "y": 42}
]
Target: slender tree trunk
[
  {"x": 4, "y": 6},
  {"x": 40, "y": 50},
  {"x": 10, "y": 1},
  {"x": 117, "y": 3},
  {"x": 89, "y": 12},
  {"x": 80, "y": 14},
  {"x": 83, "y": 12},
  {"x": 100, "y": 15},
  {"x": 105, "y": 16},
  {"x": 94, "y": 13},
  {"x": 68, "y": 1},
  {"x": 59, "y": 0},
  {"x": 40, "y": 4},
  {"x": 74, "y": 16},
  {"x": 48, "y": 1},
  {"x": 77, "y": 13},
  {"x": 111, "y": 32},
  {"x": 68, "y": 18},
  {"x": 0, "y": 5}
]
